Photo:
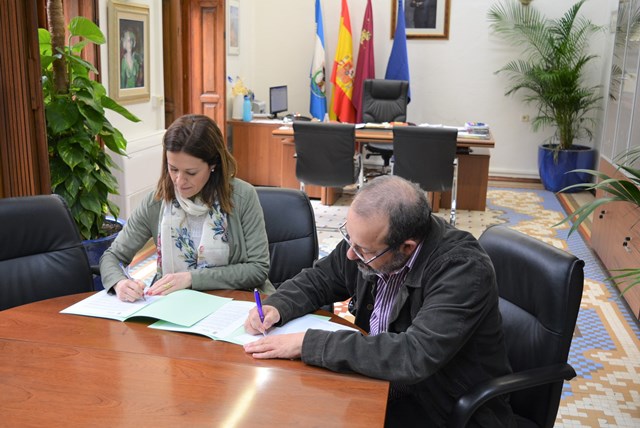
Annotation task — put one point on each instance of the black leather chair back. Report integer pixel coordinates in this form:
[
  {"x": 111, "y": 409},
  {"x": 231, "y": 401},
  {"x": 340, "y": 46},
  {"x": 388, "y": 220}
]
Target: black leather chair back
[
  {"x": 41, "y": 255},
  {"x": 325, "y": 153},
  {"x": 384, "y": 100},
  {"x": 540, "y": 290},
  {"x": 291, "y": 231},
  {"x": 425, "y": 155}
]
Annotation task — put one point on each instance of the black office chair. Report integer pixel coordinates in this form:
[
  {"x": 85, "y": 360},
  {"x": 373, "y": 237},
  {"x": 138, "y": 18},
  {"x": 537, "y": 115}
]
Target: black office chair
[
  {"x": 41, "y": 255},
  {"x": 540, "y": 290},
  {"x": 291, "y": 231},
  {"x": 384, "y": 101},
  {"x": 325, "y": 154},
  {"x": 427, "y": 156}
]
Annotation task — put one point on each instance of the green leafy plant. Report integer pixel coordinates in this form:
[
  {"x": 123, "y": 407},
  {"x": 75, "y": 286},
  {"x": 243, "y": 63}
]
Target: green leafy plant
[
  {"x": 77, "y": 127},
  {"x": 551, "y": 71},
  {"x": 616, "y": 190}
]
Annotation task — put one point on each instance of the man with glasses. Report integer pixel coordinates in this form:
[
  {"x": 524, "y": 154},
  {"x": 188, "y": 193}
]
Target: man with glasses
[{"x": 424, "y": 291}]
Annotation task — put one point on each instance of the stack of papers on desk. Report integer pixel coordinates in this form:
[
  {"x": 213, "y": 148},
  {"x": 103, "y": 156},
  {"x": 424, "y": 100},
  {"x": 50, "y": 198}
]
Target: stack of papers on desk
[
  {"x": 190, "y": 311},
  {"x": 462, "y": 133}
]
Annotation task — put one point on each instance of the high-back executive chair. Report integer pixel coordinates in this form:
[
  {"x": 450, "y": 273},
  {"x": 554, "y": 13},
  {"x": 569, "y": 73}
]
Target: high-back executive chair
[
  {"x": 540, "y": 289},
  {"x": 325, "y": 154},
  {"x": 384, "y": 101},
  {"x": 427, "y": 156},
  {"x": 291, "y": 231},
  {"x": 42, "y": 255}
]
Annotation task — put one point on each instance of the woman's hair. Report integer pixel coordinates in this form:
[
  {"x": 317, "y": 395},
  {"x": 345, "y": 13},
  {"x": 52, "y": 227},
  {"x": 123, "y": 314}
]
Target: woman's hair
[{"x": 199, "y": 136}]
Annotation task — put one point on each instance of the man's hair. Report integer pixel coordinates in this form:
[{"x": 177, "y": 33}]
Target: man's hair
[
  {"x": 404, "y": 204},
  {"x": 199, "y": 136}
]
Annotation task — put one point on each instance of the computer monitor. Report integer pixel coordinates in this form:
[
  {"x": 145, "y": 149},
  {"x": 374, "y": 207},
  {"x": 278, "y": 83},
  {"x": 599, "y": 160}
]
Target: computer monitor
[{"x": 277, "y": 100}]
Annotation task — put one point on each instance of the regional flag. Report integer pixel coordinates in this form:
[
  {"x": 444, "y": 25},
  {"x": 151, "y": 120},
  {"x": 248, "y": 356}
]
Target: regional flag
[
  {"x": 366, "y": 67},
  {"x": 342, "y": 74},
  {"x": 318, "y": 104},
  {"x": 398, "y": 65}
]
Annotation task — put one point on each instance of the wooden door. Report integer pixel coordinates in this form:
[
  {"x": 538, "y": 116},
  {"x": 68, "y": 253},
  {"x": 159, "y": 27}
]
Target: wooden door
[
  {"x": 174, "y": 23},
  {"x": 194, "y": 63}
]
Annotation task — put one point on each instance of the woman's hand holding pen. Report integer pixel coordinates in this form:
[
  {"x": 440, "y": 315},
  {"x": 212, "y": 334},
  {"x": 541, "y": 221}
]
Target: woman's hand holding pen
[
  {"x": 169, "y": 283},
  {"x": 129, "y": 290}
]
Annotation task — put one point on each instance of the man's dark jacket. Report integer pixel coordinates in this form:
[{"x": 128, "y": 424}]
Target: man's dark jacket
[{"x": 445, "y": 332}]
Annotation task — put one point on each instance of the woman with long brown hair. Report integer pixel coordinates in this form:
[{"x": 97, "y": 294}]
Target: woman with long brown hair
[{"x": 208, "y": 226}]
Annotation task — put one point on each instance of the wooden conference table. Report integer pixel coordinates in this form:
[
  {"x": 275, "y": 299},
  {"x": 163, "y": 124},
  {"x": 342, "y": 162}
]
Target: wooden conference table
[
  {"x": 69, "y": 370},
  {"x": 473, "y": 166}
]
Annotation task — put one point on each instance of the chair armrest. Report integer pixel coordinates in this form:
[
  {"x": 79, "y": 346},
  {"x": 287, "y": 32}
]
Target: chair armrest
[
  {"x": 467, "y": 404},
  {"x": 95, "y": 269}
]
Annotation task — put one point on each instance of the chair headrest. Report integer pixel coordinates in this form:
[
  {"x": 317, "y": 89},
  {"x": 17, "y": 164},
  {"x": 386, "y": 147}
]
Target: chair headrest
[{"x": 386, "y": 89}]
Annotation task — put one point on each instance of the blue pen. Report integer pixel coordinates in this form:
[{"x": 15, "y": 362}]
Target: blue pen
[
  {"x": 128, "y": 275},
  {"x": 256, "y": 295}
]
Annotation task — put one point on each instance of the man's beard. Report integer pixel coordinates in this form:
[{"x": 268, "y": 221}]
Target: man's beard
[{"x": 397, "y": 261}]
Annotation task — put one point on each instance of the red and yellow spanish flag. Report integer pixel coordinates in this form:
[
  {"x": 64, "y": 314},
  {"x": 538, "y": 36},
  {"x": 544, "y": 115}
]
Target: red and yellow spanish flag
[{"x": 343, "y": 70}]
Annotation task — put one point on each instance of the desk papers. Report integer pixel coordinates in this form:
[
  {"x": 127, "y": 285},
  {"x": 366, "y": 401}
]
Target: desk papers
[
  {"x": 189, "y": 311},
  {"x": 182, "y": 307},
  {"x": 227, "y": 324}
]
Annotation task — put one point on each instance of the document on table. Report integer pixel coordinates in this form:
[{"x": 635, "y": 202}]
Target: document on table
[
  {"x": 297, "y": 325},
  {"x": 223, "y": 322},
  {"x": 183, "y": 307},
  {"x": 227, "y": 324}
]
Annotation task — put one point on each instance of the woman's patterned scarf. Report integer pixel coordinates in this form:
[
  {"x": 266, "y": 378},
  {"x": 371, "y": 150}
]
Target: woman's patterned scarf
[{"x": 176, "y": 250}]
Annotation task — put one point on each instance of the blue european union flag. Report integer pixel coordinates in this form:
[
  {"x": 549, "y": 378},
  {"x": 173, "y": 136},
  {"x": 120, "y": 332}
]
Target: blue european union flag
[{"x": 398, "y": 65}]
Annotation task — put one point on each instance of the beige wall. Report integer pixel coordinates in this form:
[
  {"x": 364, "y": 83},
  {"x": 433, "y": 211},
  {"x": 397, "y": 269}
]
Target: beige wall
[{"x": 452, "y": 81}]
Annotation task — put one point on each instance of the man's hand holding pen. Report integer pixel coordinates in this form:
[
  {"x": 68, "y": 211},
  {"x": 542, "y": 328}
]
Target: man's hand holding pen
[
  {"x": 262, "y": 318},
  {"x": 253, "y": 324}
]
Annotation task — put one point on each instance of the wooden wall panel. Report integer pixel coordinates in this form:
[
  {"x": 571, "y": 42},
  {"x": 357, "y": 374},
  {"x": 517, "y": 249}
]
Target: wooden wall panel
[{"x": 24, "y": 164}]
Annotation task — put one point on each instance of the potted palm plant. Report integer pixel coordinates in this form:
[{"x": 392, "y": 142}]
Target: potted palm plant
[
  {"x": 550, "y": 74},
  {"x": 78, "y": 130},
  {"x": 615, "y": 190}
]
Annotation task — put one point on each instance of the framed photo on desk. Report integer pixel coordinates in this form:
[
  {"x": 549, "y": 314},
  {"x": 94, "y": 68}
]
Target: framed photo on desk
[{"x": 424, "y": 19}]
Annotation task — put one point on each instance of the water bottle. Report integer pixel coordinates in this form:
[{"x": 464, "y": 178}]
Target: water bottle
[{"x": 247, "y": 114}]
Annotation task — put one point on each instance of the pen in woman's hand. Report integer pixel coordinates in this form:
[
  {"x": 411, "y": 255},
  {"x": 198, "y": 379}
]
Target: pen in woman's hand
[{"x": 128, "y": 275}]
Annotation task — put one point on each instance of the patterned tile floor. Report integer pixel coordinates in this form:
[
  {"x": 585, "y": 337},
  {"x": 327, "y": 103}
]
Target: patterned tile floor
[{"x": 606, "y": 348}]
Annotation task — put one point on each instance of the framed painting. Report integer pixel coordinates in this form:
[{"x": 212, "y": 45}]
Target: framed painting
[
  {"x": 129, "y": 53},
  {"x": 233, "y": 30},
  {"x": 424, "y": 19}
]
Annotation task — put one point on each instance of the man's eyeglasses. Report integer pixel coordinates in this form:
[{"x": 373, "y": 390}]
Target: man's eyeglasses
[{"x": 347, "y": 238}]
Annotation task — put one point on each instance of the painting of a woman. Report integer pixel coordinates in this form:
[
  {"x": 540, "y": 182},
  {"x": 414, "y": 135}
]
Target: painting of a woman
[{"x": 131, "y": 58}]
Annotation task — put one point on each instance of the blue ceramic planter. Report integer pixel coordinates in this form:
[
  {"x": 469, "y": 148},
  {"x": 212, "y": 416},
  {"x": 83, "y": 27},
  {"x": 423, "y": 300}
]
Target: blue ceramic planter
[
  {"x": 554, "y": 173},
  {"x": 95, "y": 248}
]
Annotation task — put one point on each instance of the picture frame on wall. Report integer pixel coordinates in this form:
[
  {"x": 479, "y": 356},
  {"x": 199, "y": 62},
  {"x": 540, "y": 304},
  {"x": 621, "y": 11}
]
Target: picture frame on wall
[
  {"x": 233, "y": 30},
  {"x": 129, "y": 59},
  {"x": 424, "y": 19}
]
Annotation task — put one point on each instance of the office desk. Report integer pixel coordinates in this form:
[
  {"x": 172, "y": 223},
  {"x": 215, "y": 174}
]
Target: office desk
[
  {"x": 264, "y": 160},
  {"x": 473, "y": 166},
  {"x": 82, "y": 371}
]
